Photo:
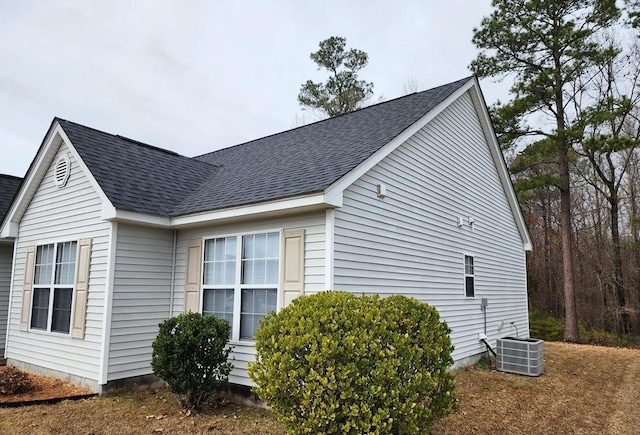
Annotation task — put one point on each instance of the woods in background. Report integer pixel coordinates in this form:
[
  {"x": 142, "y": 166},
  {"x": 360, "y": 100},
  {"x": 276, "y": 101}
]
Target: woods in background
[{"x": 571, "y": 133}]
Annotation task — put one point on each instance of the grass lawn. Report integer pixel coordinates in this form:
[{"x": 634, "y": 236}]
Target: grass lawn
[{"x": 585, "y": 389}]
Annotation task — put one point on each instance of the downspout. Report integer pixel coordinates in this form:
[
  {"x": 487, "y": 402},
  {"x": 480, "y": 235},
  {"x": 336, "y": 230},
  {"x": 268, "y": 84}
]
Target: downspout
[
  {"x": 12, "y": 277},
  {"x": 173, "y": 271}
]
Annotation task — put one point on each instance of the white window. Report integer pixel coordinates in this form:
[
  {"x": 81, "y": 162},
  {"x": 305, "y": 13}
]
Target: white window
[
  {"x": 54, "y": 276},
  {"x": 241, "y": 278},
  {"x": 469, "y": 277}
]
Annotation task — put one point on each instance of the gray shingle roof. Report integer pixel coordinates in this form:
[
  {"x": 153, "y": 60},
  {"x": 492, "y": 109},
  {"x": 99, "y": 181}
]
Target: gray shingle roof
[
  {"x": 135, "y": 176},
  {"x": 9, "y": 186},
  {"x": 304, "y": 160}
]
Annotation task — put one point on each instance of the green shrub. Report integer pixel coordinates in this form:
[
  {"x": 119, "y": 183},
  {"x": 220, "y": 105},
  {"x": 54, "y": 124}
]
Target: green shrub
[
  {"x": 191, "y": 354},
  {"x": 336, "y": 363},
  {"x": 611, "y": 339},
  {"x": 546, "y": 328},
  {"x": 14, "y": 381}
]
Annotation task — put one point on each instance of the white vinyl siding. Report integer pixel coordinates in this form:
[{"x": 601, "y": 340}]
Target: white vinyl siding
[
  {"x": 6, "y": 252},
  {"x": 410, "y": 243},
  {"x": 313, "y": 225},
  {"x": 58, "y": 215},
  {"x": 141, "y": 297}
]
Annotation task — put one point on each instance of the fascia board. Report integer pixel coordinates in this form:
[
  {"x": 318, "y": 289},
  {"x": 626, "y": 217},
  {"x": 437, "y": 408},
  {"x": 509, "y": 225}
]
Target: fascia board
[{"x": 501, "y": 166}]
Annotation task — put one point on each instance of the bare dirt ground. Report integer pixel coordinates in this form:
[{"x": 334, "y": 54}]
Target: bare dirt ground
[
  {"x": 584, "y": 390},
  {"x": 44, "y": 388}
]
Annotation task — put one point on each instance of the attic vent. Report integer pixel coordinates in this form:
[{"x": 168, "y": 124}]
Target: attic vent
[{"x": 61, "y": 171}]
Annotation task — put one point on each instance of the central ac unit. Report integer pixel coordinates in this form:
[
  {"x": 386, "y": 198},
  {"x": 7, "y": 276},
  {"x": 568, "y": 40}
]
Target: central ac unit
[{"x": 524, "y": 356}]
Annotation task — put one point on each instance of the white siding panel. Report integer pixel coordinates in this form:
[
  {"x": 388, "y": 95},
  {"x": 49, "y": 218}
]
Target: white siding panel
[
  {"x": 314, "y": 226},
  {"x": 57, "y": 215},
  {"x": 409, "y": 242},
  {"x": 6, "y": 254},
  {"x": 141, "y": 297}
]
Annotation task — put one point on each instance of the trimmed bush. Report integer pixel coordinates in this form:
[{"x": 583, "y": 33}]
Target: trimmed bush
[
  {"x": 14, "y": 381},
  {"x": 337, "y": 363},
  {"x": 191, "y": 354}
]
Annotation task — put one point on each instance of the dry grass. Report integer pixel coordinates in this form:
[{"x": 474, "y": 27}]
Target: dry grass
[
  {"x": 144, "y": 412},
  {"x": 585, "y": 389}
]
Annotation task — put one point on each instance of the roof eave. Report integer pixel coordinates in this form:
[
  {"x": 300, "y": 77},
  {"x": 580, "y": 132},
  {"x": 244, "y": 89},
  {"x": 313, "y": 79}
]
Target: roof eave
[
  {"x": 295, "y": 204},
  {"x": 501, "y": 165}
]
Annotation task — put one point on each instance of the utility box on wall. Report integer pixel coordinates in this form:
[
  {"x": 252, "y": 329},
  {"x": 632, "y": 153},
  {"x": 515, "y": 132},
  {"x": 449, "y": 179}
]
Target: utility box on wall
[{"x": 524, "y": 356}]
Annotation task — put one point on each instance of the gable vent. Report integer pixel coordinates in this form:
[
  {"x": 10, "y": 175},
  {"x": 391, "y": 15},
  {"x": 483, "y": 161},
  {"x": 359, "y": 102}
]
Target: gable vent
[{"x": 61, "y": 171}]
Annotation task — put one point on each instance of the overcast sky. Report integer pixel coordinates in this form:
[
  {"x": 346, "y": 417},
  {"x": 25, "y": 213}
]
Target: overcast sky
[{"x": 196, "y": 76}]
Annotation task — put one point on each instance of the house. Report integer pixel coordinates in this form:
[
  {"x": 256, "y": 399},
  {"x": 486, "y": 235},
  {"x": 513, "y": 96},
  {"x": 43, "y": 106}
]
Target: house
[
  {"x": 8, "y": 187},
  {"x": 410, "y": 196}
]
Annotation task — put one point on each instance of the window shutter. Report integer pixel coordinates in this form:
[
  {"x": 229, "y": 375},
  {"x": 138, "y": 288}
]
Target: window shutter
[
  {"x": 27, "y": 288},
  {"x": 81, "y": 288},
  {"x": 293, "y": 265},
  {"x": 193, "y": 276}
]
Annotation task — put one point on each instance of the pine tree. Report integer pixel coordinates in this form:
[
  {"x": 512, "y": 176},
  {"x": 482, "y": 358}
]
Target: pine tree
[
  {"x": 343, "y": 92},
  {"x": 545, "y": 45}
]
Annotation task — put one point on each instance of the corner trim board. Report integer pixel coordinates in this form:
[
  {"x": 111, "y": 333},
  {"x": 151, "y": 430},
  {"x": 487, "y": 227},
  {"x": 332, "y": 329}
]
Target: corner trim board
[
  {"x": 103, "y": 370},
  {"x": 329, "y": 248}
]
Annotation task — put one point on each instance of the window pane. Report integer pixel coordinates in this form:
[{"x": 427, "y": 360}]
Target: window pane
[
  {"x": 469, "y": 286},
  {"x": 260, "y": 259},
  {"x": 208, "y": 273},
  {"x": 44, "y": 264},
  {"x": 255, "y": 304},
  {"x": 61, "y": 310},
  {"x": 468, "y": 265},
  {"x": 66, "y": 263},
  {"x": 230, "y": 272},
  {"x": 218, "y": 272},
  {"x": 219, "y": 261},
  {"x": 40, "y": 308},
  {"x": 219, "y": 249},
  {"x": 258, "y": 272},
  {"x": 248, "y": 247},
  {"x": 219, "y": 302},
  {"x": 230, "y": 252},
  {"x": 260, "y": 246},
  {"x": 273, "y": 245},
  {"x": 43, "y": 274},
  {"x": 272, "y": 272},
  {"x": 248, "y": 275}
]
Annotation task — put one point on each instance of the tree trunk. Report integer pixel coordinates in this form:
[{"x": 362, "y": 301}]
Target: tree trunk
[
  {"x": 618, "y": 282},
  {"x": 571, "y": 318}
]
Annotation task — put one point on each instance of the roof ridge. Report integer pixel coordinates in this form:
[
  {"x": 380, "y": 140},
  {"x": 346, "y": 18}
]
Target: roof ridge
[
  {"x": 337, "y": 117},
  {"x": 137, "y": 142}
]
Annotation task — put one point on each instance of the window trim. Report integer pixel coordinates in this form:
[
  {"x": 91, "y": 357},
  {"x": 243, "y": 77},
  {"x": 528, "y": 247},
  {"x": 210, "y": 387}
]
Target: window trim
[
  {"x": 469, "y": 275},
  {"x": 52, "y": 287},
  {"x": 237, "y": 286}
]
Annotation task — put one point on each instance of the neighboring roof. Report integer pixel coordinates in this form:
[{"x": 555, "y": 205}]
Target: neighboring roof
[
  {"x": 9, "y": 186},
  {"x": 305, "y": 160}
]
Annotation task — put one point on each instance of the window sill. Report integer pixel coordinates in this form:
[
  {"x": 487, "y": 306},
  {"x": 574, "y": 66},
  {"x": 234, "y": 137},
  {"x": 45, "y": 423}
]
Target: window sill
[{"x": 48, "y": 333}]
